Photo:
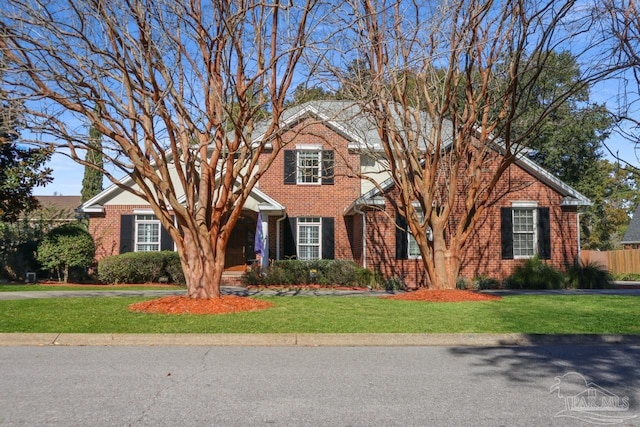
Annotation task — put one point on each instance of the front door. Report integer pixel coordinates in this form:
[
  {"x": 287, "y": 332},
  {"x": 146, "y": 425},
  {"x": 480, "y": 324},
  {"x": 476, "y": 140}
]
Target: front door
[{"x": 240, "y": 246}]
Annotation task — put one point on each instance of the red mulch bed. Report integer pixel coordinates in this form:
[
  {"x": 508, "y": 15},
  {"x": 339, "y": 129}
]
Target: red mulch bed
[
  {"x": 185, "y": 305},
  {"x": 448, "y": 295}
]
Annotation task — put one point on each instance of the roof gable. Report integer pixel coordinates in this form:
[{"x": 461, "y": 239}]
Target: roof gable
[{"x": 347, "y": 118}]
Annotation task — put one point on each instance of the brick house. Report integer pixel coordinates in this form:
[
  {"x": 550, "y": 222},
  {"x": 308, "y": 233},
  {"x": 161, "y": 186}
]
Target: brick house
[
  {"x": 312, "y": 205},
  {"x": 631, "y": 239}
]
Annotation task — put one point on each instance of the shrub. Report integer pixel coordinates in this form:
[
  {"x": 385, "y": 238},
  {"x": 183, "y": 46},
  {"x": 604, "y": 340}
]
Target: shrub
[
  {"x": 535, "y": 274},
  {"x": 394, "y": 283},
  {"x": 173, "y": 268},
  {"x": 461, "y": 284},
  {"x": 65, "y": 247},
  {"x": 298, "y": 272},
  {"x": 366, "y": 278},
  {"x": 140, "y": 267},
  {"x": 342, "y": 272},
  {"x": 588, "y": 275},
  {"x": 483, "y": 282}
]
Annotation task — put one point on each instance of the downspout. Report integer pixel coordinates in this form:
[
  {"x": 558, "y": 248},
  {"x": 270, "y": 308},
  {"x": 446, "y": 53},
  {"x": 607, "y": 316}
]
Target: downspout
[
  {"x": 364, "y": 234},
  {"x": 579, "y": 246}
]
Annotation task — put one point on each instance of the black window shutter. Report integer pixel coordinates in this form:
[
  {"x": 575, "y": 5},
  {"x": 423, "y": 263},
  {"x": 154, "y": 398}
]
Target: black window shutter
[
  {"x": 328, "y": 231},
  {"x": 544, "y": 234},
  {"x": 402, "y": 242},
  {"x": 506, "y": 228},
  {"x": 290, "y": 237},
  {"x": 127, "y": 231},
  {"x": 166, "y": 242},
  {"x": 327, "y": 167},
  {"x": 290, "y": 166}
]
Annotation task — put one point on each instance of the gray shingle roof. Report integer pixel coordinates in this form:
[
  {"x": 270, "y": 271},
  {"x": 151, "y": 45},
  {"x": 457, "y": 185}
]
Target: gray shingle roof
[{"x": 633, "y": 231}]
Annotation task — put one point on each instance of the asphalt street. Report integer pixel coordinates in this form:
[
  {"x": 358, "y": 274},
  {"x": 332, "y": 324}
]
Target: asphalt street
[{"x": 312, "y": 386}]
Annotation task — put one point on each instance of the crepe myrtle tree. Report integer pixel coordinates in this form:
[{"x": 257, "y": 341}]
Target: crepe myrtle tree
[
  {"x": 443, "y": 83},
  {"x": 176, "y": 89},
  {"x": 623, "y": 22}
]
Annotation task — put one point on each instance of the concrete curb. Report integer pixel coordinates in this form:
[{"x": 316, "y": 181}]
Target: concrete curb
[{"x": 311, "y": 340}]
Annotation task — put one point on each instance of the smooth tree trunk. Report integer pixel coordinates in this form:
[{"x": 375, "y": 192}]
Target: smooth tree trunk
[
  {"x": 444, "y": 267},
  {"x": 202, "y": 265}
]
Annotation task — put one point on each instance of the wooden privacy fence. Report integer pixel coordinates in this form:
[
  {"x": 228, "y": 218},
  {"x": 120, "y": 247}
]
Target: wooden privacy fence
[{"x": 617, "y": 262}]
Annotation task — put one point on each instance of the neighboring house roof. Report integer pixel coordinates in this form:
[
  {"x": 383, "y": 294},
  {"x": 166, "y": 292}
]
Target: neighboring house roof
[
  {"x": 632, "y": 235},
  {"x": 60, "y": 203}
]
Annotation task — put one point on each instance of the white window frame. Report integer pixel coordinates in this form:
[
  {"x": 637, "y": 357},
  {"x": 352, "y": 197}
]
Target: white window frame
[
  {"x": 147, "y": 220},
  {"x": 309, "y": 222},
  {"x": 308, "y": 175},
  {"x": 517, "y": 229},
  {"x": 303, "y": 172},
  {"x": 411, "y": 240}
]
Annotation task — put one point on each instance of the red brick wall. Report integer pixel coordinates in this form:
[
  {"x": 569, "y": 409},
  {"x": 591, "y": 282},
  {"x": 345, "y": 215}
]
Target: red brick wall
[
  {"x": 482, "y": 254},
  {"x": 316, "y": 200},
  {"x": 105, "y": 228}
]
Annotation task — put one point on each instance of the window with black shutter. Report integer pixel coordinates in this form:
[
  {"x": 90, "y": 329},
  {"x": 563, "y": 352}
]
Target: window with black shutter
[
  {"x": 309, "y": 166},
  {"x": 402, "y": 242},
  {"x": 525, "y": 232}
]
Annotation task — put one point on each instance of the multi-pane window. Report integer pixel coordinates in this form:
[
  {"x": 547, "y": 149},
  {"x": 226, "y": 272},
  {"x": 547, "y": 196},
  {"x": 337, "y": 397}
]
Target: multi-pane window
[
  {"x": 309, "y": 241},
  {"x": 524, "y": 233},
  {"x": 308, "y": 170},
  {"x": 414, "y": 250},
  {"x": 147, "y": 233}
]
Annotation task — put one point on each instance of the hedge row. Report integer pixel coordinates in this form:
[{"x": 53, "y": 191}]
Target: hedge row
[
  {"x": 321, "y": 272},
  {"x": 141, "y": 267}
]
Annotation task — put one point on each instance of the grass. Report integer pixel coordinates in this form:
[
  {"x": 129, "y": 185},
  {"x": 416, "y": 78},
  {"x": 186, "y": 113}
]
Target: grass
[
  {"x": 582, "y": 314},
  {"x": 92, "y": 288}
]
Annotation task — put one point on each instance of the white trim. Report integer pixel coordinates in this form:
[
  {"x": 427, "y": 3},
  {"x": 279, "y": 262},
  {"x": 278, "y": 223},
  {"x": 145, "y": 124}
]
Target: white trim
[
  {"x": 534, "y": 232},
  {"x": 316, "y": 222},
  {"x": 309, "y": 147},
  {"x": 143, "y": 212},
  {"x": 299, "y": 174},
  {"x": 524, "y": 204},
  {"x": 93, "y": 209},
  {"x": 136, "y": 241}
]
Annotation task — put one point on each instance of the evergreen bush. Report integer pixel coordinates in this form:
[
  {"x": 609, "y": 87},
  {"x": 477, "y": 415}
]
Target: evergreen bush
[
  {"x": 588, "y": 275},
  {"x": 299, "y": 273},
  {"x": 535, "y": 274},
  {"x": 141, "y": 267},
  {"x": 65, "y": 247}
]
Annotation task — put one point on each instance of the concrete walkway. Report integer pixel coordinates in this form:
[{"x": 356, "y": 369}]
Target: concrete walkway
[
  {"x": 226, "y": 290},
  {"x": 311, "y": 340},
  {"x": 241, "y": 291}
]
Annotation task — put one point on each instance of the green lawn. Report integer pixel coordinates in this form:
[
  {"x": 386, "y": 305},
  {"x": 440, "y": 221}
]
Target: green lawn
[{"x": 556, "y": 314}]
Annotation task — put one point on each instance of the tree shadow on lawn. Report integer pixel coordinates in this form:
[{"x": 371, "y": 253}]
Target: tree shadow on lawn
[{"x": 612, "y": 367}]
